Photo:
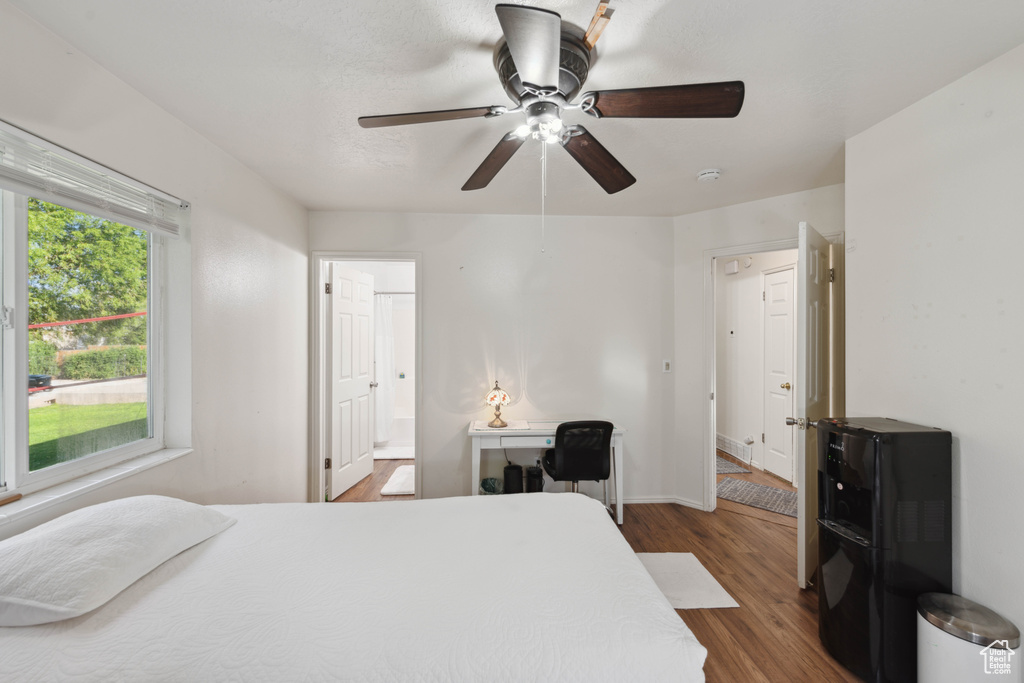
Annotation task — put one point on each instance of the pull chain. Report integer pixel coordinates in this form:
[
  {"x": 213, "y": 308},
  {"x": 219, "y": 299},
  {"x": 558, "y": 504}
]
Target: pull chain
[{"x": 543, "y": 188}]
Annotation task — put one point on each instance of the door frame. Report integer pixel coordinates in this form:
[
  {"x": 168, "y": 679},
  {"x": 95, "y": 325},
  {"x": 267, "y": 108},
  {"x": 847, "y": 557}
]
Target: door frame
[
  {"x": 710, "y": 501},
  {"x": 764, "y": 342},
  {"x": 318, "y": 313}
]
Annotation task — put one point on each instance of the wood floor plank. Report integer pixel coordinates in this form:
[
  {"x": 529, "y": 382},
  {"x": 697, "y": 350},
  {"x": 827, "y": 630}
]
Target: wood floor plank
[{"x": 740, "y": 665}]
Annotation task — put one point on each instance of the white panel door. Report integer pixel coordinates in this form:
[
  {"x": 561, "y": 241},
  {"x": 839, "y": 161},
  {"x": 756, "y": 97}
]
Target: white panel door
[
  {"x": 811, "y": 388},
  {"x": 779, "y": 357},
  {"x": 350, "y": 368}
]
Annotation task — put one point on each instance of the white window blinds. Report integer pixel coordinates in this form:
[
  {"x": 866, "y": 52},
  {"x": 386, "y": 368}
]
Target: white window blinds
[{"x": 35, "y": 167}]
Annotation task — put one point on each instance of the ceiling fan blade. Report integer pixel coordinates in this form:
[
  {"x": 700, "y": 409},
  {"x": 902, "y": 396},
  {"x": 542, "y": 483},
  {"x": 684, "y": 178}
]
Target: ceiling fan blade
[
  {"x": 428, "y": 116},
  {"x": 602, "y": 7},
  {"x": 596, "y": 160},
  {"x": 602, "y": 15},
  {"x": 701, "y": 100},
  {"x": 534, "y": 38},
  {"x": 494, "y": 162}
]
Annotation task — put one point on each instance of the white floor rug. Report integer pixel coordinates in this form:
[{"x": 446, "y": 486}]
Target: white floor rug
[
  {"x": 394, "y": 453},
  {"x": 685, "y": 581},
  {"x": 401, "y": 483}
]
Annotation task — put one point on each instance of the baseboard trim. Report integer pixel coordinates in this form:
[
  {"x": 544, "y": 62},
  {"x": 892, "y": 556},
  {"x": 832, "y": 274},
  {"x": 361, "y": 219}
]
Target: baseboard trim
[{"x": 643, "y": 500}]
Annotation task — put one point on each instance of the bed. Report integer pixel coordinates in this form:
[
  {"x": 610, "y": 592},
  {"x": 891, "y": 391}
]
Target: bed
[{"x": 532, "y": 587}]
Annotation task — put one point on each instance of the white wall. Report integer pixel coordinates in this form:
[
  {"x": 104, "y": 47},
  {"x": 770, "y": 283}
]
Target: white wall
[
  {"x": 739, "y": 338},
  {"x": 577, "y": 331},
  {"x": 249, "y": 273},
  {"x": 934, "y": 307},
  {"x": 388, "y": 276},
  {"x": 765, "y": 220}
]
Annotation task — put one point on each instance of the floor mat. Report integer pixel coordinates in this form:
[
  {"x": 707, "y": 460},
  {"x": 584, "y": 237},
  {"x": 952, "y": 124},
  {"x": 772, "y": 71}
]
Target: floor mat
[
  {"x": 758, "y": 496},
  {"x": 401, "y": 483},
  {"x": 685, "y": 581},
  {"x": 723, "y": 466}
]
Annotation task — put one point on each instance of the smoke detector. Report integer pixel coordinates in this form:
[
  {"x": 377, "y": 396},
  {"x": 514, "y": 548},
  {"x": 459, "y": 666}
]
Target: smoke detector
[{"x": 709, "y": 175}]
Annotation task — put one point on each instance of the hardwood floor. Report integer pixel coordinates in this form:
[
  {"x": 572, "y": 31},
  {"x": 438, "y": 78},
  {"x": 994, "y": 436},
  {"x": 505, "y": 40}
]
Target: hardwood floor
[
  {"x": 773, "y": 634},
  {"x": 369, "y": 488}
]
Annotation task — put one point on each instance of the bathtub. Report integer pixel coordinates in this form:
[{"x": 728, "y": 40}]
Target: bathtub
[{"x": 403, "y": 433}]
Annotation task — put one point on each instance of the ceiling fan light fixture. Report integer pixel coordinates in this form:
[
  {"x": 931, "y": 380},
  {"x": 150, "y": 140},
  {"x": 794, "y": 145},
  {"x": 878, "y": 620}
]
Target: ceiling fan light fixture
[{"x": 549, "y": 131}]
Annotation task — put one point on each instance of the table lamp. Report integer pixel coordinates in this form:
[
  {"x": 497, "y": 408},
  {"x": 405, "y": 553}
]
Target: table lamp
[{"x": 497, "y": 397}]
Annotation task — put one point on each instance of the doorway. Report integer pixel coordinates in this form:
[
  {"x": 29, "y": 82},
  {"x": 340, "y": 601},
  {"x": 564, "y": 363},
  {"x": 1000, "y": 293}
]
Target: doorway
[
  {"x": 365, "y": 386},
  {"x": 819, "y": 386},
  {"x": 754, "y": 357}
]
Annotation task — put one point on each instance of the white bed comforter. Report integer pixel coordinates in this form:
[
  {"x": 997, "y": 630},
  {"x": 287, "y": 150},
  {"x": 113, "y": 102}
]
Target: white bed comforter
[{"x": 537, "y": 587}]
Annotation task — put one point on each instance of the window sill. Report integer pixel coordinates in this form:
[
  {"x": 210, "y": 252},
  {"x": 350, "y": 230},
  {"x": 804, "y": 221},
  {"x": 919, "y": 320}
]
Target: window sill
[{"x": 55, "y": 495}]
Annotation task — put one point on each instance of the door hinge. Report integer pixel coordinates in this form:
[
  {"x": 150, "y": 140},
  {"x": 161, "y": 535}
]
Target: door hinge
[
  {"x": 327, "y": 288},
  {"x": 763, "y": 298},
  {"x": 762, "y": 437},
  {"x": 831, "y": 274},
  {"x": 327, "y": 464},
  {"x": 7, "y": 317}
]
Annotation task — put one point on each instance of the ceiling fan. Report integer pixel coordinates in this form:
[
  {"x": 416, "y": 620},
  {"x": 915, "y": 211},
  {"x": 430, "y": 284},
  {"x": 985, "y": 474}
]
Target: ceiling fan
[{"x": 542, "y": 65}]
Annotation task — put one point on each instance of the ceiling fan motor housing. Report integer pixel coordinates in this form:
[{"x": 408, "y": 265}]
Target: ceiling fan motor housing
[
  {"x": 573, "y": 67},
  {"x": 541, "y": 112}
]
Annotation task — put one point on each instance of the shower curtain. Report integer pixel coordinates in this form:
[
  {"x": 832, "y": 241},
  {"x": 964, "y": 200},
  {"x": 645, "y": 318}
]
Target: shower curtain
[{"x": 384, "y": 357}]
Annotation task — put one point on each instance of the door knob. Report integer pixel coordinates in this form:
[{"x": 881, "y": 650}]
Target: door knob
[
  {"x": 784, "y": 386},
  {"x": 373, "y": 385}
]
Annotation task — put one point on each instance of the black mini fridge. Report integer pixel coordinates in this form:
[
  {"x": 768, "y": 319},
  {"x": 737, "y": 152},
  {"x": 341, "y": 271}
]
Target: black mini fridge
[{"x": 884, "y": 538}]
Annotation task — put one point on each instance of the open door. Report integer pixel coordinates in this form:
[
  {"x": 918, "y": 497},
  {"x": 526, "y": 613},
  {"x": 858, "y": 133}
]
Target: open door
[
  {"x": 350, "y": 369},
  {"x": 812, "y": 388},
  {"x": 779, "y": 360}
]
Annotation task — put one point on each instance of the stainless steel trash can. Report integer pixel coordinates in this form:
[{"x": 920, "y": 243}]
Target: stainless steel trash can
[{"x": 960, "y": 641}]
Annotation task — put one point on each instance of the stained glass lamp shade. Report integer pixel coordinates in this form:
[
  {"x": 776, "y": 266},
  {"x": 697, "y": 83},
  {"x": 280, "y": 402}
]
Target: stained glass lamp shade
[{"x": 497, "y": 397}]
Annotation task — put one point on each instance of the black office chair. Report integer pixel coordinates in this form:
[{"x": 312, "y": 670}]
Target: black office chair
[{"x": 583, "y": 451}]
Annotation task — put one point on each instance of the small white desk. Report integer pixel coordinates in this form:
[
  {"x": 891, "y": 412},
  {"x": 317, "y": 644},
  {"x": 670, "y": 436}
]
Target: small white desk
[{"x": 540, "y": 435}]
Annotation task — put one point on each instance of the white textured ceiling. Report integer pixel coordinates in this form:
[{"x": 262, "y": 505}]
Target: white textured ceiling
[{"x": 279, "y": 84}]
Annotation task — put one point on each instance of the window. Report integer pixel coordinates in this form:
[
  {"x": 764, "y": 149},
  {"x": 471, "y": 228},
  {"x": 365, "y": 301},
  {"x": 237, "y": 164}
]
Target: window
[
  {"x": 82, "y": 381},
  {"x": 88, "y": 290}
]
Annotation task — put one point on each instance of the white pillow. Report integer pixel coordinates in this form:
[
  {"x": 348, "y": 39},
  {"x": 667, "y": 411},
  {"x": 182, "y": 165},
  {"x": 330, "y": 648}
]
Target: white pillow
[{"x": 75, "y": 563}]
